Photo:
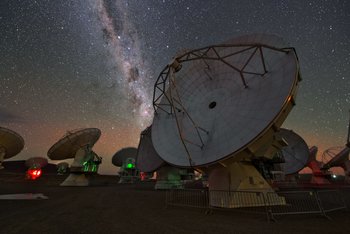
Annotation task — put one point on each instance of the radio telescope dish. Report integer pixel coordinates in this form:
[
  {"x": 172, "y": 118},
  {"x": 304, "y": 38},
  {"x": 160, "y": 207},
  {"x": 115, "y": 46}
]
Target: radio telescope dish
[
  {"x": 220, "y": 105},
  {"x": 318, "y": 175},
  {"x": 11, "y": 143},
  {"x": 147, "y": 159},
  {"x": 68, "y": 145},
  {"x": 218, "y": 101},
  {"x": 36, "y": 162},
  {"x": 125, "y": 158},
  {"x": 120, "y": 157},
  {"x": 339, "y": 157},
  {"x": 62, "y": 168},
  {"x": 335, "y": 157},
  {"x": 296, "y": 154},
  {"x": 78, "y": 144}
]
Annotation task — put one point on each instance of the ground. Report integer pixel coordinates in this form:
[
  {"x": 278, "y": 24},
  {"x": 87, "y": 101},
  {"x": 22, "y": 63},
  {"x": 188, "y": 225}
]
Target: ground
[{"x": 109, "y": 207}]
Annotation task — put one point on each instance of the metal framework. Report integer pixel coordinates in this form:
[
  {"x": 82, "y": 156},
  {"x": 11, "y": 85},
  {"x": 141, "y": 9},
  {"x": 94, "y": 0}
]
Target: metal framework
[
  {"x": 165, "y": 86},
  {"x": 204, "y": 54}
]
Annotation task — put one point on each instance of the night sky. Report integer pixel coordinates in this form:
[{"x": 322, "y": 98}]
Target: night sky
[{"x": 92, "y": 63}]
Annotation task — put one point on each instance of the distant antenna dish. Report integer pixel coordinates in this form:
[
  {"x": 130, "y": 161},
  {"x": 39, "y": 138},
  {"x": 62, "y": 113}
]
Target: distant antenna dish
[
  {"x": 147, "y": 159},
  {"x": 78, "y": 144},
  {"x": 319, "y": 176},
  {"x": 120, "y": 157},
  {"x": 125, "y": 158},
  {"x": 62, "y": 168},
  {"x": 11, "y": 143},
  {"x": 335, "y": 157},
  {"x": 296, "y": 154},
  {"x": 68, "y": 145},
  {"x": 36, "y": 162},
  {"x": 224, "y": 103},
  {"x": 339, "y": 157}
]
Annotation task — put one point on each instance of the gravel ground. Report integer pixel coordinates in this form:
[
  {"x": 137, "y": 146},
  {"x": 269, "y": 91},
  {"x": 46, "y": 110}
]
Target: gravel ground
[{"x": 109, "y": 207}]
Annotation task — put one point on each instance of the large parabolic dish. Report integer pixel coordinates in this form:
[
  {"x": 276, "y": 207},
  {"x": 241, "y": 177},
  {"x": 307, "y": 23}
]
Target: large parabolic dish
[
  {"x": 147, "y": 159},
  {"x": 10, "y": 142},
  {"x": 222, "y": 102},
  {"x": 295, "y": 154},
  {"x": 68, "y": 145}
]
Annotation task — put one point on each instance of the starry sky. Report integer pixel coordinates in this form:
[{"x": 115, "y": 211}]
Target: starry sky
[{"x": 92, "y": 63}]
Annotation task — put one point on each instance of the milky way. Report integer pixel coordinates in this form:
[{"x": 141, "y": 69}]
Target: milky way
[{"x": 124, "y": 44}]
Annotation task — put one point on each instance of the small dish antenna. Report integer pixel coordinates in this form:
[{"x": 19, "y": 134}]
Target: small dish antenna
[
  {"x": 36, "y": 162},
  {"x": 222, "y": 108},
  {"x": 78, "y": 144},
  {"x": 62, "y": 168},
  {"x": 319, "y": 177},
  {"x": 335, "y": 157},
  {"x": 148, "y": 160},
  {"x": 125, "y": 158},
  {"x": 339, "y": 157},
  {"x": 11, "y": 143},
  {"x": 295, "y": 154}
]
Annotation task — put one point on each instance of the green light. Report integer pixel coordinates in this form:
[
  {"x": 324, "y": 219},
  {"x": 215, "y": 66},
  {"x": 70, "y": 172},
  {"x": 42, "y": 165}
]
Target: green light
[{"x": 129, "y": 165}]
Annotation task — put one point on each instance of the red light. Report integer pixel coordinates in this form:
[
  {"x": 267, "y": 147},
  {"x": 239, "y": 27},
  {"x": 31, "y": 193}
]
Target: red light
[
  {"x": 33, "y": 173},
  {"x": 143, "y": 176}
]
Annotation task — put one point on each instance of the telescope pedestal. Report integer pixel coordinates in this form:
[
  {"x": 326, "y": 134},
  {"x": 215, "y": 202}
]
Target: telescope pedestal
[
  {"x": 128, "y": 176},
  {"x": 77, "y": 179},
  {"x": 240, "y": 185},
  {"x": 169, "y": 177}
]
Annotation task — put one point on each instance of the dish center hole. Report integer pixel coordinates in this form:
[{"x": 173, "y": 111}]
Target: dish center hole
[{"x": 212, "y": 105}]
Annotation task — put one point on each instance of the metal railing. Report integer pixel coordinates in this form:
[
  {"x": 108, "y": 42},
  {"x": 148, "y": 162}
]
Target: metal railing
[
  {"x": 346, "y": 196},
  {"x": 271, "y": 204},
  {"x": 296, "y": 202},
  {"x": 331, "y": 200},
  {"x": 236, "y": 199},
  {"x": 197, "y": 198}
]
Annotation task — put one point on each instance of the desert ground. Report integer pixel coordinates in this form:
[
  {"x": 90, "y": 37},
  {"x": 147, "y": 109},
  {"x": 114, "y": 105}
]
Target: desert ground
[{"x": 109, "y": 207}]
